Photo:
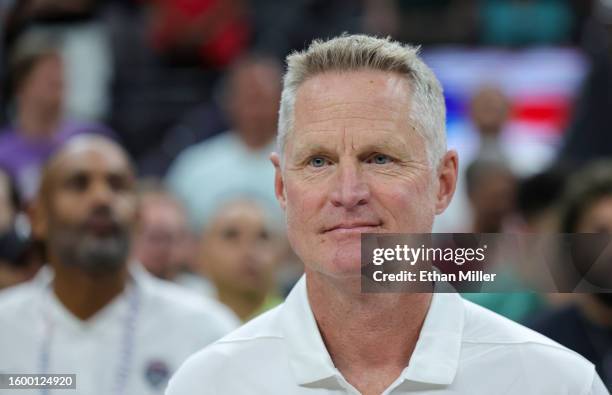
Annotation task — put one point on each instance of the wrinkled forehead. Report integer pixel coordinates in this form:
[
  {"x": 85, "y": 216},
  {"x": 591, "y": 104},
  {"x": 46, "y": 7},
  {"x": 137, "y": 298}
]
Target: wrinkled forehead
[
  {"x": 372, "y": 86},
  {"x": 363, "y": 105}
]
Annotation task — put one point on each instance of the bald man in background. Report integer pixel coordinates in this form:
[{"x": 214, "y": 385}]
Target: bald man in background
[{"x": 90, "y": 312}]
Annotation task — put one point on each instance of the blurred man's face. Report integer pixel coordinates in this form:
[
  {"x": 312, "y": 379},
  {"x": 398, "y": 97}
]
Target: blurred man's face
[
  {"x": 354, "y": 164},
  {"x": 238, "y": 250},
  {"x": 89, "y": 207},
  {"x": 490, "y": 110},
  {"x": 598, "y": 218},
  {"x": 44, "y": 85},
  {"x": 163, "y": 243},
  {"x": 493, "y": 199},
  {"x": 253, "y": 103}
]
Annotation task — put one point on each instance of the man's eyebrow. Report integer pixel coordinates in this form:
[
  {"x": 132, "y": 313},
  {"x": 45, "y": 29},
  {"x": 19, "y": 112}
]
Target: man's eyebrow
[
  {"x": 383, "y": 142},
  {"x": 69, "y": 174},
  {"x": 79, "y": 172},
  {"x": 394, "y": 146},
  {"x": 305, "y": 148}
]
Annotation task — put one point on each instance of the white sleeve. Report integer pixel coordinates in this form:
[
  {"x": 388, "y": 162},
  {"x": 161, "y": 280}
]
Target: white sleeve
[
  {"x": 598, "y": 387},
  {"x": 196, "y": 376}
]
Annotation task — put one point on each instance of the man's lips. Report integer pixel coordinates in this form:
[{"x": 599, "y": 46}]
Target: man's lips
[
  {"x": 357, "y": 227},
  {"x": 101, "y": 226}
]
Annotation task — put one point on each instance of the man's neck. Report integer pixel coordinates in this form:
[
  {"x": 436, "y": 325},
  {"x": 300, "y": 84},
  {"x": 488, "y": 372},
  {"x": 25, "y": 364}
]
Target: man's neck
[
  {"x": 244, "y": 305},
  {"x": 84, "y": 294},
  {"x": 37, "y": 124},
  {"x": 370, "y": 337}
]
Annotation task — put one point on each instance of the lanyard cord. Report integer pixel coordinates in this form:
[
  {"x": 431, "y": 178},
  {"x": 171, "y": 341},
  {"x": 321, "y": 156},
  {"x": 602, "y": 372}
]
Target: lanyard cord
[{"x": 125, "y": 353}]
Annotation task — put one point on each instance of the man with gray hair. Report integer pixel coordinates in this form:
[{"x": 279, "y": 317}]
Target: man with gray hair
[{"x": 362, "y": 150}]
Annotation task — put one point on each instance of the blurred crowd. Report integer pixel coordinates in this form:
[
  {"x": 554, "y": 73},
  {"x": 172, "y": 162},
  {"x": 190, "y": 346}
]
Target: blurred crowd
[{"x": 190, "y": 90}]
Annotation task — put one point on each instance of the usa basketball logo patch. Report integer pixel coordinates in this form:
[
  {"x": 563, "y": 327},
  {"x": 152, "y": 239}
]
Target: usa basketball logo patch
[{"x": 157, "y": 374}]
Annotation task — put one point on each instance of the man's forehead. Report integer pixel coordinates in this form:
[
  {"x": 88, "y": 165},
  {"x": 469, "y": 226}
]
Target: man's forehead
[
  {"x": 91, "y": 159},
  {"x": 372, "y": 87},
  {"x": 87, "y": 155},
  {"x": 368, "y": 106}
]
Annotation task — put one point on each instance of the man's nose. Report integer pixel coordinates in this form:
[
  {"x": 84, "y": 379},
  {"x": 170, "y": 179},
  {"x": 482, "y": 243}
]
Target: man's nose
[
  {"x": 350, "y": 189},
  {"x": 101, "y": 193}
]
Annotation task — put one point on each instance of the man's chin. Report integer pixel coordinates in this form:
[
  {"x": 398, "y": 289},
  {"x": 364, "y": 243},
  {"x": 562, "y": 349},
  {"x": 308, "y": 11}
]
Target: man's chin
[{"x": 345, "y": 263}]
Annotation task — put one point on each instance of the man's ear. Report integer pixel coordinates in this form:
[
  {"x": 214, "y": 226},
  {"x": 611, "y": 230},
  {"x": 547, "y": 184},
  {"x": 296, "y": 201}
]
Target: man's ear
[
  {"x": 447, "y": 180},
  {"x": 279, "y": 184},
  {"x": 37, "y": 212}
]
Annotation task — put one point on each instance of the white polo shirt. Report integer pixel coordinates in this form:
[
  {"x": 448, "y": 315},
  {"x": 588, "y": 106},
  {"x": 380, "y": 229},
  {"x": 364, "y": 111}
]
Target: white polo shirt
[
  {"x": 130, "y": 347},
  {"x": 462, "y": 349}
]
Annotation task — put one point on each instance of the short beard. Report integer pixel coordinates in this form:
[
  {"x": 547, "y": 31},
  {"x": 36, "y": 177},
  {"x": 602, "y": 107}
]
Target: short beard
[{"x": 94, "y": 255}]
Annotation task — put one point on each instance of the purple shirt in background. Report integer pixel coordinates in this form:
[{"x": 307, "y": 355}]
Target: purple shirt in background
[{"x": 23, "y": 158}]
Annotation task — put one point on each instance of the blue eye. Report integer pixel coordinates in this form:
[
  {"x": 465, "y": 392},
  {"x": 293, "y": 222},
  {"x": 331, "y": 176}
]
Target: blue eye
[
  {"x": 317, "y": 161},
  {"x": 379, "y": 159}
]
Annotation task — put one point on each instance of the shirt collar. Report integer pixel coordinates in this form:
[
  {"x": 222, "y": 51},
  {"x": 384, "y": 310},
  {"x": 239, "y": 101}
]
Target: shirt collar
[
  {"x": 308, "y": 358},
  {"x": 433, "y": 361},
  {"x": 49, "y": 303}
]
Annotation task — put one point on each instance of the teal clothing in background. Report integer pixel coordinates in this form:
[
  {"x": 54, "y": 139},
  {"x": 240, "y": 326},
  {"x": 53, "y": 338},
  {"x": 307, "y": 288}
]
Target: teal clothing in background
[
  {"x": 525, "y": 22},
  {"x": 518, "y": 306}
]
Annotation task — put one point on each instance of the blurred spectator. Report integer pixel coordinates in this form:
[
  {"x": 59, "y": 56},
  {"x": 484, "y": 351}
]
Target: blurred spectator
[
  {"x": 538, "y": 200},
  {"x": 160, "y": 105},
  {"x": 17, "y": 253},
  {"x": 521, "y": 22},
  {"x": 91, "y": 310},
  {"x": 489, "y": 110},
  {"x": 491, "y": 189},
  {"x": 589, "y": 137},
  {"x": 38, "y": 125},
  {"x": 214, "y": 32},
  {"x": 586, "y": 326},
  {"x": 164, "y": 243},
  {"x": 240, "y": 250},
  {"x": 84, "y": 47},
  {"x": 235, "y": 162}
]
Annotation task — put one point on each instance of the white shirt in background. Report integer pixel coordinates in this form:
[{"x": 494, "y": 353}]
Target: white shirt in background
[
  {"x": 205, "y": 175},
  {"x": 144, "y": 334},
  {"x": 463, "y": 349}
]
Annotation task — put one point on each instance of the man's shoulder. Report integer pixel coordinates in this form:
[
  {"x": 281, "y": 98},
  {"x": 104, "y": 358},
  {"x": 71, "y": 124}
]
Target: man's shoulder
[
  {"x": 260, "y": 334},
  {"x": 485, "y": 330},
  {"x": 17, "y": 295},
  {"x": 253, "y": 350},
  {"x": 17, "y": 301},
  {"x": 265, "y": 326}
]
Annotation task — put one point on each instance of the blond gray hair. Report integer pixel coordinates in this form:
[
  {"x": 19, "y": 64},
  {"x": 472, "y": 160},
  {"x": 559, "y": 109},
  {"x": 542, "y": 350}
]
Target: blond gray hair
[{"x": 361, "y": 52}]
